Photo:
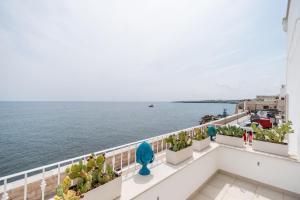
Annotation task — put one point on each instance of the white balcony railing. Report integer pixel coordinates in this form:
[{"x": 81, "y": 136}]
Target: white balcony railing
[{"x": 122, "y": 158}]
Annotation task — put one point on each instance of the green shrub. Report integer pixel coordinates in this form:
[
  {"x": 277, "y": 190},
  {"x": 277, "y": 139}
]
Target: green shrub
[
  {"x": 231, "y": 131},
  {"x": 200, "y": 134},
  {"x": 178, "y": 142},
  {"x": 274, "y": 135}
]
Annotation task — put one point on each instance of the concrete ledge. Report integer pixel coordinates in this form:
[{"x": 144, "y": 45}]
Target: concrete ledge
[{"x": 181, "y": 182}]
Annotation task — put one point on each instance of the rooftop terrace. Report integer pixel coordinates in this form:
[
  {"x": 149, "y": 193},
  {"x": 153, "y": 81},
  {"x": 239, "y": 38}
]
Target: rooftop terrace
[{"x": 250, "y": 174}]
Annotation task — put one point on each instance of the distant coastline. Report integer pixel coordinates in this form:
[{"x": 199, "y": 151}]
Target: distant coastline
[{"x": 211, "y": 101}]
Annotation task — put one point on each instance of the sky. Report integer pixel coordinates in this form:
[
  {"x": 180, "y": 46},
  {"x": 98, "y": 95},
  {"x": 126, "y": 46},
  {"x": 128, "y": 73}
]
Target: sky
[{"x": 141, "y": 50}]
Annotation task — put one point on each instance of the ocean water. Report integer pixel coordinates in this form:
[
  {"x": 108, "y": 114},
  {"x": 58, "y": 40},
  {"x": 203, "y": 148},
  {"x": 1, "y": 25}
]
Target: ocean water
[{"x": 38, "y": 133}]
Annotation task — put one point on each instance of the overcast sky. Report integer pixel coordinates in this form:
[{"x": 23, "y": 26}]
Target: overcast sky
[{"x": 141, "y": 50}]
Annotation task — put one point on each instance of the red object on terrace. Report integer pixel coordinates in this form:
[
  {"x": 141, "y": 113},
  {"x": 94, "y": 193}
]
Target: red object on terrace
[{"x": 264, "y": 122}]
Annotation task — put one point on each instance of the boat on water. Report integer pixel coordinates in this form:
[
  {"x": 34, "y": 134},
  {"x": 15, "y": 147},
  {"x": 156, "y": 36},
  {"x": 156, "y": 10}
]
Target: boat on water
[{"x": 151, "y": 106}]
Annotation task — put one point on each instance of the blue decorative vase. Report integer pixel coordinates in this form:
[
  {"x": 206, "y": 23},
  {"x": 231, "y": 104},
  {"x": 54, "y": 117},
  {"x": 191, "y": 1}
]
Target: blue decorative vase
[
  {"x": 144, "y": 156},
  {"x": 212, "y": 131}
]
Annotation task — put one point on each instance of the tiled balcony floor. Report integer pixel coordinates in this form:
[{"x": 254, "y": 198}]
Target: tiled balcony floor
[{"x": 225, "y": 187}]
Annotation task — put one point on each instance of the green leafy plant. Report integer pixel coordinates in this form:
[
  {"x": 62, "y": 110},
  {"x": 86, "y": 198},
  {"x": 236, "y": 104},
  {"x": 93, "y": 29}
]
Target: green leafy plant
[
  {"x": 178, "y": 142},
  {"x": 200, "y": 134},
  {"x": 233, "y": 131},
  {"x": 274, "y": 135}
]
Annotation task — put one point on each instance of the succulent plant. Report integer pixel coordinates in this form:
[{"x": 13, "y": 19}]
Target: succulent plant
[
  {"x": 231, "y": 131},
  {"x": 87, "y": 176},
  {"x": 200, "y": 134},
  {"x": 63, "y": 192},
  {"x": 275, "y": 135},
  {"x": 180, "y": 141},
  {"x": 108, "y": 175},
  {"x": 82, "y": 174},
  {"x": 69, "y": 195}
]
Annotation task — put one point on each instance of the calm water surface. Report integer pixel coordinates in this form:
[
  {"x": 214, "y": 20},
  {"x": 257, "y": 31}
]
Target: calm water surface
[{"x": 38, "y": 133}]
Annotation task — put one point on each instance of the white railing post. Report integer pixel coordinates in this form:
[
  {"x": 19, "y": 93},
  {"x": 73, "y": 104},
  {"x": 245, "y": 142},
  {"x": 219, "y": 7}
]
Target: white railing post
[
  {"x": 58, "y": 174},
  {"x": 157, "y": 146},
  {"x": 162, "y": 145},
  {"x": 152, "y": 146},
  {"x": 72, "y": 182},
  {"x": 43, "y": 185},
  {"x": 113, "y": 161},
  {"x": 5, "y": 194},
  {"x": 128, "y": 161},
  {"x": 135, "y": 164},
  {"x": 121, "y": 165},
  {"x": 25, "y": 186},
  {"x": 104, "y": 164}
]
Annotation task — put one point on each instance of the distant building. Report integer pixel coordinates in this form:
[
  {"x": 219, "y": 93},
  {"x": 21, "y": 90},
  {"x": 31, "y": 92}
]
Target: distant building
[
  {"x": 266, "y": 98},
  {"x": 258, "y": 104},
  {"x": 264, "y": 102}
]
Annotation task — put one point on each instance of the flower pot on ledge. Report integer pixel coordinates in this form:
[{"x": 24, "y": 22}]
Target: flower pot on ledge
[
  {"x": 269, "y": 147},
  {"x": 199, "y": 145},
  {"x": 176, "y": 157},
  {"x": 108, "y": 191},
  {"x": 230, "y": 140}
]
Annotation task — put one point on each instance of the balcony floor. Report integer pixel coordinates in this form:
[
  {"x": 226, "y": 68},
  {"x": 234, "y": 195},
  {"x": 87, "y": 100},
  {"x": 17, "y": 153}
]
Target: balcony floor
[{"x": 226, "y": 187}]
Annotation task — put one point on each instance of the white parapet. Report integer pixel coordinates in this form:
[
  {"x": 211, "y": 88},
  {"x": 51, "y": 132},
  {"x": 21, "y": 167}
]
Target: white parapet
[
  {"x": 179, "y": 182},
  {"x": 108, "y": 191},
  {"x": 230, "y": 140},
  {"x": 279, "y": 149},
  {"x": 199, "y": 145},
  {"x": 176, "y": 157}
]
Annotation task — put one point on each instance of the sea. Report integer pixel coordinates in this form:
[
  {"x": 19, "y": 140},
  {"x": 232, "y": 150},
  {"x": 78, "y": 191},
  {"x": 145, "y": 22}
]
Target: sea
[{"x": 33, "y": 134}]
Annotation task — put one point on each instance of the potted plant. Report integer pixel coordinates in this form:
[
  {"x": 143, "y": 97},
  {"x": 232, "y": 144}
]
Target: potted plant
[
  {"x": 230, "y": 135},
  {"x": 180, "y": 148},
  {"x": 272, "y": 140},
  {"x": 91, "y": 181},
  {"x": 200, "y": 139},
  {"x": 64, "y": 193}
]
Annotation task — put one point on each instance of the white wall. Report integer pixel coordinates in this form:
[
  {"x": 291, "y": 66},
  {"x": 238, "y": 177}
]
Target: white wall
[
  {"x": 293, "y": 72},
  {"x": 186, "y": 181},
  {"x": 278, "y": 172}
]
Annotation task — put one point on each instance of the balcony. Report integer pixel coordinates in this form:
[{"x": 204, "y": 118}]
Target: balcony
[{"x": 217, "y": 172}]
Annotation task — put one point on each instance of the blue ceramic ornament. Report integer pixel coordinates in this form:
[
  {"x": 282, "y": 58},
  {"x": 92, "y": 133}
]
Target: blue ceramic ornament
[
  {"x": 212, "y": 131},
  {"x": 144, "y": 156}
]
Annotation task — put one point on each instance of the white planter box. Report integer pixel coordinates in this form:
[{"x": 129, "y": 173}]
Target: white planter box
[
  {"x": 179, "y": 156},
  {"x": 230, "y": 140},
  {"x": 200, "y": 145},
  {"x": 268, "y": 147},
  {"x": 108, "y": 191}
]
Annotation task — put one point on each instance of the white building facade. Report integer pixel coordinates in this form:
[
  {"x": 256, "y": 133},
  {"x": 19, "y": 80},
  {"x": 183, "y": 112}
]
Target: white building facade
[{"x": 291, "y": 24}]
